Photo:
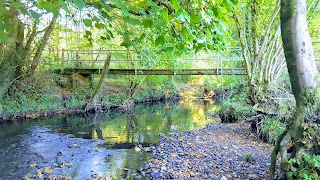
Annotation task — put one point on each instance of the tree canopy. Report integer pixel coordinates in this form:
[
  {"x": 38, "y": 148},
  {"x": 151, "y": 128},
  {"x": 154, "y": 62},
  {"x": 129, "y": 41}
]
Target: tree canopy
[{"x": 172, "y": 25}]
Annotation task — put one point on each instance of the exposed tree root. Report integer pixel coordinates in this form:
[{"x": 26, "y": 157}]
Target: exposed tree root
[{"x": 275, "y": 152}]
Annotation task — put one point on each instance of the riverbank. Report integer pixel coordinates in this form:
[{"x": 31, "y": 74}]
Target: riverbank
[
  {"x": 45, "y": 95},
  {"x": 73, "y": 111},
  {"x": 218, "y": 151}
]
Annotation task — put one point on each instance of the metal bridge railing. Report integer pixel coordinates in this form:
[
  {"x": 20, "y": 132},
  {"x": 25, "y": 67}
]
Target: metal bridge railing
[{"x": 124, "y": 59}]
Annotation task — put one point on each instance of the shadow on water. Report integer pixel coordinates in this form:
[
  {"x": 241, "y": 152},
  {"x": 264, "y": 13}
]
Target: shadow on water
[{"x": 101, "y": 144}]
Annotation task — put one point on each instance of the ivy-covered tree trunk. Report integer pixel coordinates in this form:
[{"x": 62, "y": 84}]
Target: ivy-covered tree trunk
[
  {"x": 304, "y": 78},
  {"x": 10, "y": 60}
]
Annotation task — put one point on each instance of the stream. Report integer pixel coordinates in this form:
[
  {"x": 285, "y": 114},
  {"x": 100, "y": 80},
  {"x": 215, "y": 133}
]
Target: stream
[{"x": 95, "y": 145}]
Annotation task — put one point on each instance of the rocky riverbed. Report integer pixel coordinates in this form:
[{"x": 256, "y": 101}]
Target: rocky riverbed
[{"x": 218, "y": 151}]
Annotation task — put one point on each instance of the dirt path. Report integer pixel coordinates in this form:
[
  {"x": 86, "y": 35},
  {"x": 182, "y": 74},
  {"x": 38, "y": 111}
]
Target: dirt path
[{"x": 217, "y": 151}]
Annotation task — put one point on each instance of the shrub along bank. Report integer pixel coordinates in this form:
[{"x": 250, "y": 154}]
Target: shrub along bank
[{"x": 268, "y": 117}]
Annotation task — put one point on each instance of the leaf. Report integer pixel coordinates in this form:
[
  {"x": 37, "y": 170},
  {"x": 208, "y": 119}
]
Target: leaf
[
  {"x": 215, "y": 11},
  {"x": 47, "y": 169},
  {"x": 64, "y": 6},
  {"x": 36, "y": 16},
  {"x": 185, "y": 33},
  {"x": 183, "y": 16},
  {"x": 169, "y": 49},
  {"x": 17, "y": 5},
  {"x": 160, "y": 40},
  {"x": 87, "y": 22},
  {"x": 48, "y": 7},
  {"x": 165, "y": 15},
  {"x": 126, "y": 42},
  {"x": 103, "y": 38},
  {"x": 99, "y": 25},
  {"x": 143, "y": 35},
  {"x": 80, "y": 4},
  {"x": 132, "y": 21},
  {"x": 88, "y": 33},
  {"x": 106, "y": 15},
  {"x": 195, "y": 18},
  {"x": 178, "y": 26},
  {"x": 234, "y": 1},
  {"x": 175, "y": 5},
  {"x": 146, "y": 23},
  {"x": 159, "y": 24},
  {"x": 199, "y": 47},
  {"x": 3, "y": 37},
  {"x": 150, "y": 3},
  {"x": 208, "y": 33},
  {"x": 122, "y": 7}
]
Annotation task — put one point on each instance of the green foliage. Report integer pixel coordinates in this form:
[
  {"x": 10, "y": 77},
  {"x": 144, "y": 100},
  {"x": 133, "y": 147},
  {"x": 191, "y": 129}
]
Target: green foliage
[
  {"x": 115, "y": 99},
  {"x": 35, "y": 103},
  {"x": 308, "y": 169},
  {"x": 74, "y": 102},
  {"x": 248, "y": 156},
  {"x": 235, "y": 108},
  {"x": 156, "y": 87},
  {"x": 272, "y": 128},
  {"x": 50, "y": 62},
  {"x": 171, "y": 25}
]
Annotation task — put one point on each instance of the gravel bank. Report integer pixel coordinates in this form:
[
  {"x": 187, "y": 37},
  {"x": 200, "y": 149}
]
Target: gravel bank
[{"x": 226, "y": 151}]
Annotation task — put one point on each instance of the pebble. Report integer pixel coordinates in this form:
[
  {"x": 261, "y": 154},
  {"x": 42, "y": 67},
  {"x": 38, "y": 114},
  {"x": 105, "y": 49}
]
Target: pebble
[{"x": 214, "y": 152}]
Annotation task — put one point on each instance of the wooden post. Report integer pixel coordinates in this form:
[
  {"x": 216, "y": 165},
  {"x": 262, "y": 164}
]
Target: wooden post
[
  {"x": 77, "y": 60},
  {"x": 62, "y": 54}
]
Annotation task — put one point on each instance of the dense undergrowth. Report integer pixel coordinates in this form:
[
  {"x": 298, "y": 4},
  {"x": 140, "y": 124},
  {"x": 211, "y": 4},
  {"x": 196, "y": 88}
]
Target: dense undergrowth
[{"x": 268, "y": 117}]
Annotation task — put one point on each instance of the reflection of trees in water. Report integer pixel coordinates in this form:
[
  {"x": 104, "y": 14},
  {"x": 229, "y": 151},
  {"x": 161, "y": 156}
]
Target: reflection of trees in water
[
  {"x": 79, "y": 126},
  {"x": 96, "y": 120},
  {"x": 142, "y": 123},
  {"x": 132, "y": 126},
  {"x": 168, "y": 116}
]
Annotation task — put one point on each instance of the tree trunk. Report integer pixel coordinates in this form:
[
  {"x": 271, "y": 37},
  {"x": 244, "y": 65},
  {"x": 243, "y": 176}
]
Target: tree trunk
[
  {"x": 95, "y": 102},
  {"x": 303, "y": 73},
  {"x": 298, "y": 48},
  {"x": 43, "y": 43},
  {"x": 262, "y": 54},
  {"x": 10, "y": 60}
]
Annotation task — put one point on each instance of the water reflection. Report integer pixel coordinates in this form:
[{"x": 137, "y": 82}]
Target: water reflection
[
  {"x": 143, "y": 124},
  {"x": 106, "y": 140}
]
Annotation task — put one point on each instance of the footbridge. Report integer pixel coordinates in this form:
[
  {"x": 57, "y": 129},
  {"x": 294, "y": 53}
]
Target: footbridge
[{"x": 124, "y": 62}]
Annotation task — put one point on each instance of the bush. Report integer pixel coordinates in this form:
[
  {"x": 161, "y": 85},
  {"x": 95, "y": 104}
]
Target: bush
[
  {"x": 309, "y": 169},
  {"x": 271, "y": 129},
  {"x": 236, "y": 108},
  {"x": 234, "y": 111}
]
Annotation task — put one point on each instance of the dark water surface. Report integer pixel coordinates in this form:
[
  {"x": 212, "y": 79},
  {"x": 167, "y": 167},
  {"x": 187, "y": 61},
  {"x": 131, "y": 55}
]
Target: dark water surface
[{"x": 84, "y": 147}]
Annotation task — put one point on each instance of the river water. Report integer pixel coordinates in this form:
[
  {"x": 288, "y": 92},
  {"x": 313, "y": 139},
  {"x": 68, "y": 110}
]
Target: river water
[{"x": 92, "y": 146}]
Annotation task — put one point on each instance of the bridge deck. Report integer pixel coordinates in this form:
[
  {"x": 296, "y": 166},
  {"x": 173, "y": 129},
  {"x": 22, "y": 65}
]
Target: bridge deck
[{"x": 84, "y": 71}]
